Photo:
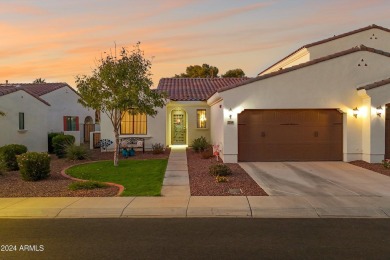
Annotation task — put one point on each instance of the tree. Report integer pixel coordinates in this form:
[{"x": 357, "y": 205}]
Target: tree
[
  {"x": 39, "y": 80},
  {"x": 197, "y": 71},
  {"x": 2, "y": 113},
  {"x": 120, "y": 85},
  {"x": 235, "y": 73}
]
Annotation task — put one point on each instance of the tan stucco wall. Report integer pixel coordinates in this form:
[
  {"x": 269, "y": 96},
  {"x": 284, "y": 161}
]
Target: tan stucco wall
[
  {"x": 63, "y": 102},
  {"x": 301, "y": 56},
  {"x": 35, "y": 121},
  {"x": 348, "y": 42},
  {"x": 374, "y": 126},
  {"x": 337, "y": 45},
  {"x": 190, "y": 108},
  {"x": 329, "y": 84},
  {"x": 155, "y": 129}
]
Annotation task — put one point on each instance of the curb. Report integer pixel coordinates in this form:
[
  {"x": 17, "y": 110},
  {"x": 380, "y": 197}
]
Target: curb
[{"x": 120, "y": 187}]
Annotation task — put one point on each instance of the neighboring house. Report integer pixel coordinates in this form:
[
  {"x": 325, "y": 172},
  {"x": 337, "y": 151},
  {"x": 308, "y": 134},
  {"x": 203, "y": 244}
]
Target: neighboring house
[
  {"x": 63, "y": 113},
  {"x": 328, "y": 101}
]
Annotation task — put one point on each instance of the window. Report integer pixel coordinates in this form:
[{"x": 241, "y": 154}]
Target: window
[
  {"x": 21, "y": 121},
  {"x": 71, "y": 123},
  {"x": 201, "y": 118},
  {"x": 133, "y": 124}
]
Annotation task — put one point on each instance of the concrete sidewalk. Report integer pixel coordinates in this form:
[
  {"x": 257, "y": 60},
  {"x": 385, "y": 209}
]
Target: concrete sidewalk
[{"x": 194, "y": 206}]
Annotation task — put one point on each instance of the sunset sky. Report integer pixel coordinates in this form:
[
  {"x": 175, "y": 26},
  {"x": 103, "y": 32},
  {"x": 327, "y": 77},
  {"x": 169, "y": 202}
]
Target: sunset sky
[{"x": 57, "y": 40}]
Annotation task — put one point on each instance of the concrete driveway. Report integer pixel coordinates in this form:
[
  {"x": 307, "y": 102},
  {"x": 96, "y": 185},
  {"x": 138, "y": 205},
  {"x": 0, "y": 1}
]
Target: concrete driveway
[{"x": 333, "y": 179}]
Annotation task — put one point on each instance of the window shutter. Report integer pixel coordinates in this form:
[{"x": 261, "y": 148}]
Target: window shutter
[
  {"x": 65, "y": 127},
  {"x": 77, "y": 123}
]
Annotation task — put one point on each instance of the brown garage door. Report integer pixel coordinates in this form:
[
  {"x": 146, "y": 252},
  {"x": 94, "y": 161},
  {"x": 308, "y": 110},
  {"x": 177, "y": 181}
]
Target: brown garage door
[
  {"x": 387, "y": 138},
  {"x": 290, "y": 135}
]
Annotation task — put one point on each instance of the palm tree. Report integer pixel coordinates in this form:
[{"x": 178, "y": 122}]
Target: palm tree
[{"x": 39, "y": 80}]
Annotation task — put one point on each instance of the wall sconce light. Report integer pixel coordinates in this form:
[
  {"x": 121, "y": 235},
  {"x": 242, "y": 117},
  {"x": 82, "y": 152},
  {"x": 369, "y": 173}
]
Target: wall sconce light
[
  {"x": 230, "y": 113},
  {"x": 379, "y": 111},
  {"x": 355, "y": 112}
]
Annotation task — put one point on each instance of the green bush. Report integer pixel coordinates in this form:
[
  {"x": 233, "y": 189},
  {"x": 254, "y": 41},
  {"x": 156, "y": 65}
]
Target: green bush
[
  {"x": 386, "y": 163},
  {"x": 34, "y": 166},
  {"x": 74, "y": 152},
  {"x": 2, "y": 168},
  {"x": 8, "y": 155},
  {"x": 157, "y": 148},
  {"x": 86, "y": 185},
  {"x": 219, "y": 170},
  {"x": 50, "y": 137},
  {"x": 60, "y": 142},
  {"x": 200, "y": 144}
]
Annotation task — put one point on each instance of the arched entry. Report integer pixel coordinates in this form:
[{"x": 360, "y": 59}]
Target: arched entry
[
  {"x": 88, "y": 128},
  {"x": 178, "y": 126}
]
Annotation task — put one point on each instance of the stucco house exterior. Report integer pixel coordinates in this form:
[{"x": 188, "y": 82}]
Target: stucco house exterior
[
  {"x": 329, "y": 101},
  {"x": 34, "y": 110}
]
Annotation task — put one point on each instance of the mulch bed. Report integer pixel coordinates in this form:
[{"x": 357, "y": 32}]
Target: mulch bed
[
  {"x": 204, "y": 184},
  {"x": 12, "y": 185},
  {"x": 376, "y": 167}
]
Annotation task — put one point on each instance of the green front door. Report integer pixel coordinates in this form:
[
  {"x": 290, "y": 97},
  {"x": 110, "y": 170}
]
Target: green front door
[{"x": 178, "y": 127}]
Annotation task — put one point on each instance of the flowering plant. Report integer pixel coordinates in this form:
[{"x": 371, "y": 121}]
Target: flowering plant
[{"x": 386, "y": 163}]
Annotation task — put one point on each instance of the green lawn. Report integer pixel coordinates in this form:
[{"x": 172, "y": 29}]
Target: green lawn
[{"x": 139, "y": 177}]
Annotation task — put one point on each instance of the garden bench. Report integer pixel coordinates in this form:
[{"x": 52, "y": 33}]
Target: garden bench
[{"x": 132, "y": 142}]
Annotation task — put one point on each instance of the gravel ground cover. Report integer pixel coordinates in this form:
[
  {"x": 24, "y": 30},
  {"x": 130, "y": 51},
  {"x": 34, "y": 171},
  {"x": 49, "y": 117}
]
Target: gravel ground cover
[
  {"x": 204, "y": 184},
  {"x": 376, "y": 167},
  {"x": 12, "y": 185}
]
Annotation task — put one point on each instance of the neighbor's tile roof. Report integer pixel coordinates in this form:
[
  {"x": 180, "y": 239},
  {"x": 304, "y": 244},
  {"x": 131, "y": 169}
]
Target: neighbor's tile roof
[
  {"x": 375, "y": 84},
  {"x": 35, "y": 90},
  {"x": 306, "y": 64},
  {"x": 194, "y": 89},
  {"x": 374, "y": 26}
]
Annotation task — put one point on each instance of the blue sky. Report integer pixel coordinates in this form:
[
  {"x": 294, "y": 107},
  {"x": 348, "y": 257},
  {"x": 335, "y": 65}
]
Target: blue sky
[{"x": 58, "y": 40}]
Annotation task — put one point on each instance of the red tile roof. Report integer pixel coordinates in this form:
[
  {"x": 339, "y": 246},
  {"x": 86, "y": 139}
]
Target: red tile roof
[
  {"x": 35, "y": 90},
  {"x": 328, "y": 40},
  {"x": 306, "y": 64},
  {"x": 375, "y": 84},
  {"x": 194, "y": 89}
]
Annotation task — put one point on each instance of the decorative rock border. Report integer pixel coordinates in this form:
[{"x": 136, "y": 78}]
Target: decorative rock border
[{"x": 120, "y": 187}]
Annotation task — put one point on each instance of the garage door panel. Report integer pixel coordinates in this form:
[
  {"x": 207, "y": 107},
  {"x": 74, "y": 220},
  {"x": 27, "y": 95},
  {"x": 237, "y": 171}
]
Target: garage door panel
[{"x": 290, "y": 135}]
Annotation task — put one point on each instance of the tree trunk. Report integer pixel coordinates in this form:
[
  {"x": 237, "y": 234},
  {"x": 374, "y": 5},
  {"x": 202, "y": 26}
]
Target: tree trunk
[{"x": 116, "y": 152}]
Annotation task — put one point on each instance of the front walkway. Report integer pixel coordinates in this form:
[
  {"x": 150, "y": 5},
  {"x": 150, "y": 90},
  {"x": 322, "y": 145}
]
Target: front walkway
[{"x": 176, "y": 181}]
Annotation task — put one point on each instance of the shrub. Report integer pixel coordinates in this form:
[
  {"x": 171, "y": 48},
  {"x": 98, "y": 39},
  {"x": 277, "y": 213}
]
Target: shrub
[
  {"x": 86, "y": 185},
  {"x": 200, "y": 144},
  {"x": 8, "y": 155},
  {"x": 34, "y": 166},
  {"x": 74, "y": 152},
  {"x": 386, "y": 163},
  {"x": 2, "y": 168},
  {"x": 221, "y": 179},
  {"x": 50, "y": 136},
  {"x": 60, "y": 142},
  {"x": 207, "y": 153},
  {"x": 219, "y": 170},
  {"x": 157, "y": 148}
]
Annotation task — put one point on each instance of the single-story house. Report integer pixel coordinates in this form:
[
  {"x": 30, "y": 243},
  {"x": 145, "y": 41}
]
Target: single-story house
[
  {"x": 34, "y": 110},
  {"x": 328, "y": 100}
]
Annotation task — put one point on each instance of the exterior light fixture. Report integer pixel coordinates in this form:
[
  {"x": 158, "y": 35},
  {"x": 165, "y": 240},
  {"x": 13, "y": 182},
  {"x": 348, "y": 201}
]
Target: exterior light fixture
[
  {"x": 379, "y": 111},
  {"x": 355, "y": 112},
  {"x": 230, "y": 113}
]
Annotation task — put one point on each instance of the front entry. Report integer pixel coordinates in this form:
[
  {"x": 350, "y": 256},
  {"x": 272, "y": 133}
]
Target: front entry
[
  {"x": 387, "y": 135},
  {"x": 179, "y": 129}
]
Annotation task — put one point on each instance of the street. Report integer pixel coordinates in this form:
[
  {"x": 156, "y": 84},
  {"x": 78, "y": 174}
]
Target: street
[{"x": 194, "y": 238}]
